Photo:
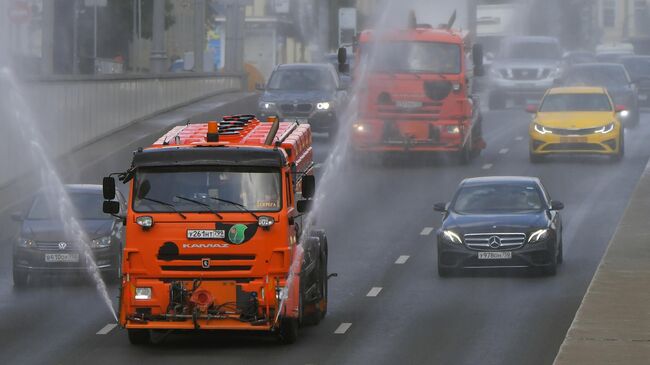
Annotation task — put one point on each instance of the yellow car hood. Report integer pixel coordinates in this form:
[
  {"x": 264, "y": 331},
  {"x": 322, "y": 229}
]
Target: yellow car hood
[{"x": 576, "y": 120}]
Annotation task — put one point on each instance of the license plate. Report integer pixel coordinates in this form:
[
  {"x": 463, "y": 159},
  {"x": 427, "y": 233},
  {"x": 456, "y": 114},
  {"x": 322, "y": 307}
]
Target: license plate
[
  {"x": 204, "y": 234},
  {"x": 408, "y": 104},
  {"x": 643, "y": 97},
  {"x": 505, "y": 255},
  {"x": 61, "y": 257},
  {"x": 573, "y": 139}
]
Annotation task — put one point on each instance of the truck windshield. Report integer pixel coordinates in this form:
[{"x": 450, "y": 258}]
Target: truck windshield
[
  {"x": 258, "y": 189},
  {"x": 413, "y": 57},
  {"x": 576, "y": 103}
]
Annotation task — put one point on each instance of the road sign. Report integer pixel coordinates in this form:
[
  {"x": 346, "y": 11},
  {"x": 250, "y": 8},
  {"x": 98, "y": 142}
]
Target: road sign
[{"x": 20, "y": 12}]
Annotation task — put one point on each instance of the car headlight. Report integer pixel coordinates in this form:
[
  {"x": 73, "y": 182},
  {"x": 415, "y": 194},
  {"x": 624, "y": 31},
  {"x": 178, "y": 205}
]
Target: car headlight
[
  {"x": 142, "y": 293},
  {"x": 453, "y": 129},
  {"x": 624, "y": 113},
  {"x": 360, "y": 127},
  {"x": 557, "y": 72},
  {"x": 538, "y": 235},
  {"x": 26, "y": 243},
  {"x": 267, "y": 106},
  {"x": 606, "y": 129},
  {"x": 541, "y": 129},
  {"x": 323, "y": 106},
  {"x": 452, "y": 237},
  {"x": 102, "y": 242}
]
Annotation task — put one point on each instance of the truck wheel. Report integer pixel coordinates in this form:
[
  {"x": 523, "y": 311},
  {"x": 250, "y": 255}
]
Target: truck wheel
[
  {"x": 496, "y": 101},
  {"x": 288, "y": 331},
  {"x": 139, "y": 337},
  {"x": 21, "y": 278}
]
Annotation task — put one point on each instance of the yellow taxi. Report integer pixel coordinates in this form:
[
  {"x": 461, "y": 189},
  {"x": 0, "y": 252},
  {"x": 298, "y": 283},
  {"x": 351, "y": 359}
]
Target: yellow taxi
[{"x": 572, "y": 120}]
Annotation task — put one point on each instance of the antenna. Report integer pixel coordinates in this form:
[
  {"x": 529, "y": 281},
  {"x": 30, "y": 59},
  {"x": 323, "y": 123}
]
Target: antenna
[{"x": 451, "y": 21}]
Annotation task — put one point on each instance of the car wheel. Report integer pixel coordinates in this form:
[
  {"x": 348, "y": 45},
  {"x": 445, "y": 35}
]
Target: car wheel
[
  {"x": 21, "y": 278},
  {"x": 496, "y": 101},
  {"x": 139, "y": 337}
]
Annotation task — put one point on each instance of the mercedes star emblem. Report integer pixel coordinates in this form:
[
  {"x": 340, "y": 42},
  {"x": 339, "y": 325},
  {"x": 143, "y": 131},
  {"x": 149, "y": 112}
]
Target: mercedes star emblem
[{"x": 494, "y": 242}]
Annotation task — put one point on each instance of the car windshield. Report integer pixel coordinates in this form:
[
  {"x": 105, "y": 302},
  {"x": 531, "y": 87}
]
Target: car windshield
[
  {"x": 531, "y": 50},
  {"x": 576, "y": 103},
  {"x": 413, "y": 57},
  {"x": 637, "y": 67},
  {"x": 498, "y": 199},
  {"x": 302, "y": 79},
  {"x": 87, "y": 206},
  {"x": 605, "y": 76},
  {"x": 214, "y": 188}
]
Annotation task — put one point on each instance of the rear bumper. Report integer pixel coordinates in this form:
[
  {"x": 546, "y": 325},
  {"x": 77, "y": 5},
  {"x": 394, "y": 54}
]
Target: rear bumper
[{"x": 203, "y": 324}]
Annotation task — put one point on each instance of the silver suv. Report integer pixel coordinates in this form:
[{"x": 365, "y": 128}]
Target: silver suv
[{"x": 524, "y": 69}]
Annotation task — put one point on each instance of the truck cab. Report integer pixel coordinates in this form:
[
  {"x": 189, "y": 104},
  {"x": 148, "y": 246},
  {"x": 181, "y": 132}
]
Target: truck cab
[{"x": 215, "y": 238}]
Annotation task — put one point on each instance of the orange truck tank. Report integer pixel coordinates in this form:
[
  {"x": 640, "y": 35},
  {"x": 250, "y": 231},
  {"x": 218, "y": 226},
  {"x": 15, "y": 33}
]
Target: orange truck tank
[
  {"x": 213, "y": 231},
  {"x": 418, "y": 92}
]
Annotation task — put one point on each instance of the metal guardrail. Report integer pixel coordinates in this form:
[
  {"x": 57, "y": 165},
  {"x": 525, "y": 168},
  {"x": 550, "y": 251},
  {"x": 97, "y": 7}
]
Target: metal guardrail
[{"x": 72, "y": 111}]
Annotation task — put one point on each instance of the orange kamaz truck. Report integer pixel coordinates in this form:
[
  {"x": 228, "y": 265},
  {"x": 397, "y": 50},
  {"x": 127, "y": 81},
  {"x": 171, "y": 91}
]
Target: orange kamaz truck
[
  {"x": 417, "y": 92},
  {"x": 215, "y": 238}
]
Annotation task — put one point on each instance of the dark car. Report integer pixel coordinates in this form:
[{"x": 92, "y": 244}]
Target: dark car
[
  {"x": 500, "y": 222},
  {"x": 310, "y": 93},
  {"x": 577, "y": 57},
  {"x": 638, "y": 67},
  {"x": 614, "y": 78},
  {"x": 45, "y": 246}
]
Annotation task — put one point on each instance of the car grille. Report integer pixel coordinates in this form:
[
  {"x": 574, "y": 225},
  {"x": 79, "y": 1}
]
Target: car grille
[
  {"x": 574, "y": 132},
  {"x": 495, "y": 241},
  {"x": 54, "y": 246},
  {"x": 292, "y": 108},
  {"x": 525, "y": 74},
  {"x": 574, "y": 147}
]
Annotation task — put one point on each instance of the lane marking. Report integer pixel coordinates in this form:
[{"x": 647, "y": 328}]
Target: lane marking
[
  {"x": 426, "y": 231},
  {"x": 401, "y": 260},
  {"x": 318, "y": 166},
  {"x": 519, "y": 138},
  {"x": 108, "y": 328},
  {"x": 487, "y": 166},
  {"x": 503, "y": 151},
  {"x": 374, "y": 292},
  {"x": 343, "y": 328}
]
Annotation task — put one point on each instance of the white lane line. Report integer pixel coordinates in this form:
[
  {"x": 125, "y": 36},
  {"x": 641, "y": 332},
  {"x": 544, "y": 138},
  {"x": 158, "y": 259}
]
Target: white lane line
[
  {"x": 318, "y": 166},
  {"x": 401, "y": 260},
  {"x": 426, "y": 231},
  {"x": 374, "y": 292},
  {"x": 108, "y": 328},
  {"x": 487, "y": 166},
  {"x": 343, "y": 328},
  {"x": 503, "y": 151},
  {"x": 519, "y": 138}
]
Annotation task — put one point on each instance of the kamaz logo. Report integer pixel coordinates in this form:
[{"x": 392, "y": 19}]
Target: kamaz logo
[{"x": 206, "y": 245}]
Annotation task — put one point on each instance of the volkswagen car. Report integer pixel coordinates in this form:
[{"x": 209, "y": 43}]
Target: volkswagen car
[
  {"x": 45, "y": 246},
  {"x": 308, "y": 93},
  {"x": 500, "y": 222},
  {"x": 573, "y": 120}
]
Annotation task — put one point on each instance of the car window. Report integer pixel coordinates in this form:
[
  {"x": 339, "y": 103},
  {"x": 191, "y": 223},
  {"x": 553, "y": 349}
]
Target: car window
[{"x": 575, "y": 103}]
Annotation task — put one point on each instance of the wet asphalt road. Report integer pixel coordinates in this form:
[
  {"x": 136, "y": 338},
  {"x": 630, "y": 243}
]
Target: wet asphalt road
[{"x": 375, "y": 215}]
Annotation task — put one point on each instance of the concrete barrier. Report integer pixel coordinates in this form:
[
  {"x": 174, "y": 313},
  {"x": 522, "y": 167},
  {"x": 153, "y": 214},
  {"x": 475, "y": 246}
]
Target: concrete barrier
[
  {"x": 612, "y": 325},
  {"x": 74, "y": 111}
]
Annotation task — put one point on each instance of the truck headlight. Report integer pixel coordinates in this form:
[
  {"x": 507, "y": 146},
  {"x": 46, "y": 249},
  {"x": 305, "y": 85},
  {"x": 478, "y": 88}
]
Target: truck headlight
[
  {"x": 265, "y": 221},
  {"x": 142, "y": 293},
  {"x": 144, "y": 221},
  {"x": 541, "y": 129},
  {"x": 538, "y": 235},
  {"x": 451, "y": 237},
  {"x": 606, "y": 129},
  {"x": 453, "y": 129},
  {"x": 102, "y": 242},
  {"x": 323, "y": 106}
]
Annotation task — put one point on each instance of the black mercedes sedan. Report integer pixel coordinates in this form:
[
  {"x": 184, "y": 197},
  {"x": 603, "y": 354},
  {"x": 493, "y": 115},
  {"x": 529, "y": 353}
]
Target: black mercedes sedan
[
  {"x": 500, "y": 222},
  {"x": 46, "y": 246}
]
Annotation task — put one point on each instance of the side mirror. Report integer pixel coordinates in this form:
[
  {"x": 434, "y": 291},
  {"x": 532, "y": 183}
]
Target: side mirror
[
  {"x": 111, "y": 207},
  {"x": 17, "y": 217},
  {"x": 308, "y": 186},
  {"x": 440, "y": 207},
  {"x": 477, "y": 55},
  {"x": 109, "y": 188},
  {"x": 556, "y": 205},
  {"x": 304, "y": 206},
  {"x": 532, "y": 109}
]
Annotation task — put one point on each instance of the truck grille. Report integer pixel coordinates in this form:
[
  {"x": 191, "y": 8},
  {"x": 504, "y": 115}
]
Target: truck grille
[
  {"x": 495, "y": 241},
  {"x": 219, "y": 263}
]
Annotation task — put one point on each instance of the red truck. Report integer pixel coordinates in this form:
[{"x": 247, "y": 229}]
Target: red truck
[{"x": 417, "y": 95}]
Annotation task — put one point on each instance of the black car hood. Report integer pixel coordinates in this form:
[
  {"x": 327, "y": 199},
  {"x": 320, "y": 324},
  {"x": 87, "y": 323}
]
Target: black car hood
[
  {"x": 502, "y": 223},
  {"x": 53, "y": 230},
  {"x": 284, "y": 96}
]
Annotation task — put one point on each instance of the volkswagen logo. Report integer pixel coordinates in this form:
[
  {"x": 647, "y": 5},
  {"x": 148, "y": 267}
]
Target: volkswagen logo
[
  {"x": 205, "y": 263},
  {"x": 62, "y": 245},
  {"x": 494, "y": 242}
]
